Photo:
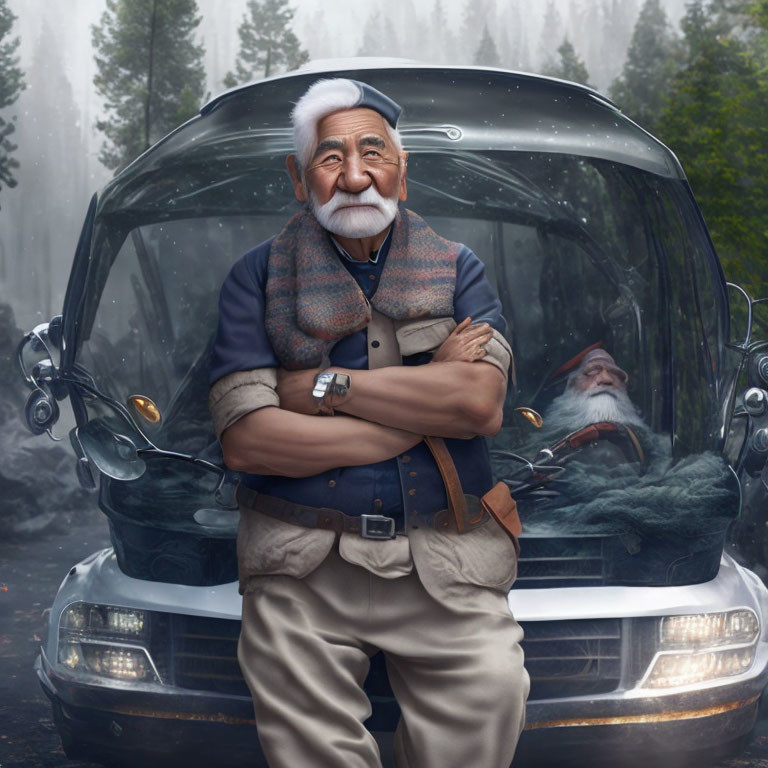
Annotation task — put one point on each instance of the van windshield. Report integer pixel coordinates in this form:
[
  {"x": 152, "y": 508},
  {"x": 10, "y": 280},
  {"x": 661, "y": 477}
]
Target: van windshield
[{"x": 583, "y": 252}]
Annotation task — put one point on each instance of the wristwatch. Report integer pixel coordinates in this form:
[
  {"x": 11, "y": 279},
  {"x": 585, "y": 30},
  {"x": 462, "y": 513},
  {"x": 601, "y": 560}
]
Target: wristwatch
[{"x": 327, "y": 385}]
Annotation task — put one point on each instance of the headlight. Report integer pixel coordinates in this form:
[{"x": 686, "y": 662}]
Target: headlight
[
  {"x": 92, "y": 619},
  {"x": 676, "y": 669},
  {"x": 107, "y": 641},
  {"x": 119, "y": 662},
  {"x": 709, "y": 629},
  {"x": 703, "y": 647}
]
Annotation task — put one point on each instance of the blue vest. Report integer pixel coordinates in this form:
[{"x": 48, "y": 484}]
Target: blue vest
[{"x": 409, "y": 487}]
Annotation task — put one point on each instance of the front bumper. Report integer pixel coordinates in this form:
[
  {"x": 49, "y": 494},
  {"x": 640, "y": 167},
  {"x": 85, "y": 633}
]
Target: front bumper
[
  {"x": 182, "y": 727},
  {"x": 690, "y": 722}
]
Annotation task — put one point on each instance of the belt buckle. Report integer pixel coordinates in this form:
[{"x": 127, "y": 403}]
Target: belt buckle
[{"x": 377, "y": 527}]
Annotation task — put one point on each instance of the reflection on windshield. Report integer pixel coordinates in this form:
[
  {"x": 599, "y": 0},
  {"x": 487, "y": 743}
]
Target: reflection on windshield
[{"x": 600, "y": 469}]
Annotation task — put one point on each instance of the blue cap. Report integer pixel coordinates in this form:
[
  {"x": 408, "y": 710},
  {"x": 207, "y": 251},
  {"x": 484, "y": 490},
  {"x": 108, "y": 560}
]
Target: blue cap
[{"x": 378, "y": 102}]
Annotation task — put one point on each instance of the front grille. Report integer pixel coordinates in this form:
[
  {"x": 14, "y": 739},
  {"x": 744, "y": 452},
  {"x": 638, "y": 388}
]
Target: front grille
[
  {"x": 561, "y": 562},
  {"x": 563, "y": 658},
  {"x": 618, "y": 559},
  {"x": 203, "y": 654},
  {"x": 579, "y": 657}
]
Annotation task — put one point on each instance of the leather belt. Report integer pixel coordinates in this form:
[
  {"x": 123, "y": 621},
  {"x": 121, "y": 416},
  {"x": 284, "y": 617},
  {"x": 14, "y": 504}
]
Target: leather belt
[{"x": 367, "y": 526}]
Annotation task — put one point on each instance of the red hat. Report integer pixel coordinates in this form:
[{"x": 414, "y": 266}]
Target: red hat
[{"x": 577, "y": 360}]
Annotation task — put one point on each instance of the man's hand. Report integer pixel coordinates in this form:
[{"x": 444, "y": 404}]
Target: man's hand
[
  {"x": 465, "y": 344},
  {"x": 295, "y": 390}
]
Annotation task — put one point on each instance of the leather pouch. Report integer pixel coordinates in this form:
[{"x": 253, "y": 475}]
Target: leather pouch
[{"x": 500, "y": 505}]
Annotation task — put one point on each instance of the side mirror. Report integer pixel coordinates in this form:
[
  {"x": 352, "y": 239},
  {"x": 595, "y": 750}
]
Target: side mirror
[
  {"x": 112, "y": 453},
  {"x": 41, "y": 411},
  {"x": 754, "y": 453},
  {"x": 38, "y": 355},
  {"x": 41, "y": 346}
]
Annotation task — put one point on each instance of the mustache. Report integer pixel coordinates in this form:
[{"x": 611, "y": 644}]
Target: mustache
[
  {"x": 342, "y": 199},
  {"x": 573, "y": 409},
  {"x": 611, "y": 392}
]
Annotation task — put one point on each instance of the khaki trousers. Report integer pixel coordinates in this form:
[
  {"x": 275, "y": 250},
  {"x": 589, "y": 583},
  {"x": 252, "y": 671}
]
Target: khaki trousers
[{"x": 455, "y": 665}]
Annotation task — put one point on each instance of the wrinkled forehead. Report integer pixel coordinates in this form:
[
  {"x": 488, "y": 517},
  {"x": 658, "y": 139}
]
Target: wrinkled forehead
[
  {"x": 590, "y": 365},
  {"x": 599, "y": 356},
  {"x": 350, "y": 124}
]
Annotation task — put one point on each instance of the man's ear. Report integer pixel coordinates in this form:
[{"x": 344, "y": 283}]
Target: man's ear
[
  {"x": 299, "y": 188},
  {"x": 403, "y": 196}
]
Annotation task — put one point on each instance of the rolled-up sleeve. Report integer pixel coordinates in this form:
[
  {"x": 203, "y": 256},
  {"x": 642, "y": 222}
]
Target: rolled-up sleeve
[
  {"x": 475, "y": 298},
  {"x": 241, "y": 392},
  {"x": 243, "y": 363}
]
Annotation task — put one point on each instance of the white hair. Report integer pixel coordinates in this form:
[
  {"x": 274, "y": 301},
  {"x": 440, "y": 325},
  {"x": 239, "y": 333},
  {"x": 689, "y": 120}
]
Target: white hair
[
  {"x": 321, "y": 99},
  {"x": 573, "y": 409}
]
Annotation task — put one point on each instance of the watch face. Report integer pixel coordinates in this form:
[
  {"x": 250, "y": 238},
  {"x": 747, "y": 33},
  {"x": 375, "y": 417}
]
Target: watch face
[{"x": 322, "y": 382}]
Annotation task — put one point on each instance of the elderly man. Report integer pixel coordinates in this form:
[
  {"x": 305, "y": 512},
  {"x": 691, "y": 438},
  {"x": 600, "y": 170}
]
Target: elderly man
[
  {"x": 349, "y": 539},
  {"x": 596, "y": 391}
]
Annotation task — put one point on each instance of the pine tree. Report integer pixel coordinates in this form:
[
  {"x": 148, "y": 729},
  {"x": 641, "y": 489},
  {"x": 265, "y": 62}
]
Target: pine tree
[
  {"x": 715, "y": 119},
  {"x": 11, "y": 84},
  {"x": 438, "y": 29},
  {"x": 592, "y": 41},
  {"x": 150, "y": 73},
  {"x": 441, "y": 39},
  {"x": 487, "y": 55},
  {"x": 619, "y": 17},
  {"x": 551, "y": 31},
  {"x": 414, "y": 31},
  {"x": 757, "y": 39},
  {"x": 470, "y": 33},
  {"x": 316, "y": 37},
  {"x": 53, "y": 189},
  {"x": 268, "y": 46},
  {"x": 642, "y": 87},
  {"x": 758, "y": 10},
  {"x": 509, "y": 35},
  {"x": 570, "y": 66},
  {"x": 379, "y": 37}
]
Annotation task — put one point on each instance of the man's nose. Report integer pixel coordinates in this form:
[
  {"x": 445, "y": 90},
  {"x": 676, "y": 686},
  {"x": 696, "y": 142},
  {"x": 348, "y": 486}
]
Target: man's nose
[
  {"x": 605, "y": 378},
  {"x": 353, "y": 177}
]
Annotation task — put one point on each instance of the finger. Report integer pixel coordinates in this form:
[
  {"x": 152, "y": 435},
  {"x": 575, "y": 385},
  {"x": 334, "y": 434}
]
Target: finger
[
  {"x": 476, "y": 330},
  {"x": 470, "y": 342},
  {"x": 462, "y": 325},
  {"x": 477, "y": 335}
]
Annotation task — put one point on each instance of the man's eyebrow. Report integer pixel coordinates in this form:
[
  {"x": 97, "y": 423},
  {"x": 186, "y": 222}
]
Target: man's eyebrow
[
  {"x": 373, "y": 141},
  {"x": 328, "y": 144}
]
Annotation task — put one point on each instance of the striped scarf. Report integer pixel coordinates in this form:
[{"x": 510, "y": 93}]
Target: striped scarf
[{"x": 312, "y": 300}]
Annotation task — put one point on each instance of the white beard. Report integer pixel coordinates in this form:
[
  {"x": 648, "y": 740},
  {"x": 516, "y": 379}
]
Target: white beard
[
  {"x": 378, "y": 214},
  {"x": 573, "y": 409}
]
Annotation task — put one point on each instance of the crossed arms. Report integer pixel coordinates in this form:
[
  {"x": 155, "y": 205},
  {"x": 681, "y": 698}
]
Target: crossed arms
[{"x": 387, "y": 411}]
